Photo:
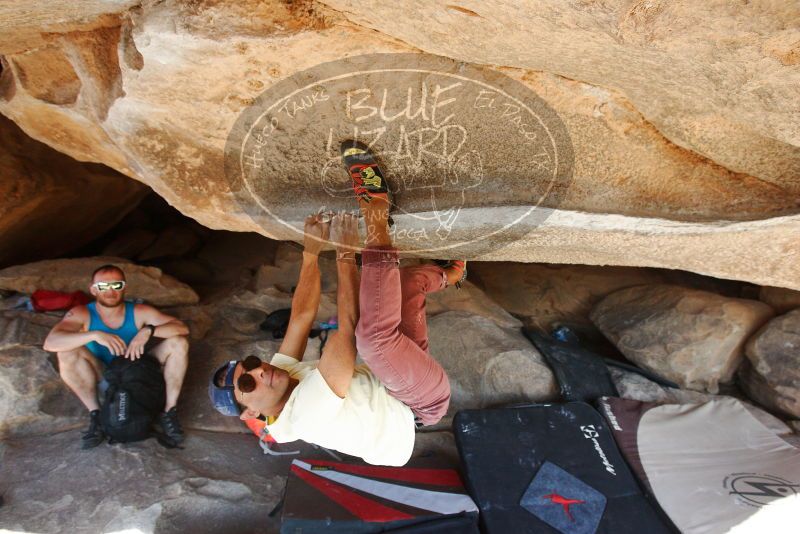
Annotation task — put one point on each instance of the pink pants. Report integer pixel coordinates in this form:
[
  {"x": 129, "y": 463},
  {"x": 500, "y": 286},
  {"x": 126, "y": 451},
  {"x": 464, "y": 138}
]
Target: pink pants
[{"x": 392, "y": 334}]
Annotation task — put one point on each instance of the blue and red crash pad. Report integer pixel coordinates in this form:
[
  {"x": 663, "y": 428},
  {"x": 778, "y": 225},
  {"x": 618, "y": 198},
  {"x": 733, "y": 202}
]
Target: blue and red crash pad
[{"x": 354, "y": 497}]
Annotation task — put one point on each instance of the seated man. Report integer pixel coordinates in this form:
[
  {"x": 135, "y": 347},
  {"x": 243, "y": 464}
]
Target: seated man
[
  {"x": 92, "y": 335},
  {"x": 366, "y": 410}
]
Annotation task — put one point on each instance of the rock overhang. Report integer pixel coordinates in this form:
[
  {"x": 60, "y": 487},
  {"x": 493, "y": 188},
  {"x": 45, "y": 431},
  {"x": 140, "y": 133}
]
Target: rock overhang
[{"x": 655, "y": 180}]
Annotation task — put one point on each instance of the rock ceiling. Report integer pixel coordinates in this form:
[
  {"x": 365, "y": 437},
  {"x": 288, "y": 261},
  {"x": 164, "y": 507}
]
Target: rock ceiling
[{"x": 679, "y": 121}]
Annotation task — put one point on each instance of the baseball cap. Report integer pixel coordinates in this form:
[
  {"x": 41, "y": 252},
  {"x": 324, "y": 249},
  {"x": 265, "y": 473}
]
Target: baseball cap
[{"x": 222, "y": 396}]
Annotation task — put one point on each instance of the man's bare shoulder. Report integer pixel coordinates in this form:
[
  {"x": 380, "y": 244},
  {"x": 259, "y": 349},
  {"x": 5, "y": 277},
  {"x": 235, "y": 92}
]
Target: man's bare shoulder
[
  {"x": 76, "y": 317},
  {"x": 144, "y": 308},
  {"x": 146, "y": 312},
  {"x": 77, "y": 312}
]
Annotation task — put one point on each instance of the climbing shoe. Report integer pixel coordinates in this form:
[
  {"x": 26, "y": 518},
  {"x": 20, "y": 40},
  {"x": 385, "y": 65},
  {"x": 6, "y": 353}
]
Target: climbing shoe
[
  {"x": 367, "y": 177},
  {"x": 458, "y": 265},
  {"x": 94, "y": 435},
  {"x": 171, "y": 426}
]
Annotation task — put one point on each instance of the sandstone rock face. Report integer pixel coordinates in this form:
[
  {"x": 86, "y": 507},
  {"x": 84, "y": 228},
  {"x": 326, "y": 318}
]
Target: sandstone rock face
[
  {"x": 488, "y": 365},
  {"x": 52, "y": 204},
  {"x": 782, "y": 300},
  {"x": 664, "y": 56},
  {"x": 772, "y": 376},
  {"x": 546, "y": 295},
  {"x": 33, "y": 399},
  {"x": 694, "y": 338},
  {"x": 470, "y": 298},
  {"x": 148, "y": 283},
  {"x": 685, "y": 154}
]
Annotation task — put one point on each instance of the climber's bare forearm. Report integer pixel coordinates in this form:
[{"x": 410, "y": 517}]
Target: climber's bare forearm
[
  {"x": 347, "y": 298},
  {"x": 305, "y": 305}
]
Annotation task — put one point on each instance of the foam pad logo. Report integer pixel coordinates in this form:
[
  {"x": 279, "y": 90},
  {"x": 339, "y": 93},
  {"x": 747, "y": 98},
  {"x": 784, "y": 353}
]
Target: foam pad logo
[{"x": 563, "y": 501}]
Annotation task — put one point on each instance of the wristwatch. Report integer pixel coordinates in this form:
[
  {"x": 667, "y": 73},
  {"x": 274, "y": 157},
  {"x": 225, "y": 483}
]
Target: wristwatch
[{"x": 152, "y": 329}]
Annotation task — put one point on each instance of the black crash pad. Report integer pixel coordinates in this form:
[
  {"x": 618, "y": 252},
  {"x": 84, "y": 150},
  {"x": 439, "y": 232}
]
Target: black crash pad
[
  {"x": 581, "y": 374},
  {"x": 550, "y": 468}
]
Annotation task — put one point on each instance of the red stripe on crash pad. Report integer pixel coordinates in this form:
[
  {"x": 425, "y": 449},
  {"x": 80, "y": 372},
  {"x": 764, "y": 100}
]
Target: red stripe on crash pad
[
  {"x": 433, "y": 477},
  {"x": 361, "y": 507}
]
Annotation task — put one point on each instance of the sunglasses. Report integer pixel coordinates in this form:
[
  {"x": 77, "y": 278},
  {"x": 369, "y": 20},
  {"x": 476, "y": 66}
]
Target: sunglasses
[
  {"x": 246, "y": 382},
  {"x": 105, "y": 286}
]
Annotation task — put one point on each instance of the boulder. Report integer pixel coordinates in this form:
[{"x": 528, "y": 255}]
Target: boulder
[
  {"x": 33, "y": 398},
  {"x": 471, "y": 299},
  {"x": 660, "y": 58},
  {"x": 781, "y": 299},
  {"x": 678, "y": 162},
  {"x": 545, "y": 295},
  {"x": 487, "y": 365},
  {"x": 24, "y": 329},
  {"x": 147, "y": 283},
  {"x": 694, "y": 338},
  {"x": 772, "y": 375}
]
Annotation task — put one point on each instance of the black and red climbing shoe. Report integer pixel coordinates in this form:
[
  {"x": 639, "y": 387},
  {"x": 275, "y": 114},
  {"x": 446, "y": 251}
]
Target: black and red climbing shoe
[
  {"x": 368, "y": 179},
  {"x": 459, "y": 265}
]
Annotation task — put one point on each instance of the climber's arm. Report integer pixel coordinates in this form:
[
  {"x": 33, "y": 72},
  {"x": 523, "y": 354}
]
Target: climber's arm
[
  {"x": 338, "y": 360},
  {"x": 305, "y": 303}
]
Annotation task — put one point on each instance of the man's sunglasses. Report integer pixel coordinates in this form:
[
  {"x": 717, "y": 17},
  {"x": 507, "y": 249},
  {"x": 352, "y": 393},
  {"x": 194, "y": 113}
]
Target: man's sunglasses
[
  {"x": 105, "y": 286},
  {"x": 246, "y": 382}
]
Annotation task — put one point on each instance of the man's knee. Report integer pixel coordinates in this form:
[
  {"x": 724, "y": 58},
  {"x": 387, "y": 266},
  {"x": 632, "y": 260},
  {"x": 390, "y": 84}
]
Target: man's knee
[
  {"x": 177, "y": 345},
  {"x": 66, "y": 361},
  {"x": 174, "y": 353},
  {"x": 69, "y": 358}
]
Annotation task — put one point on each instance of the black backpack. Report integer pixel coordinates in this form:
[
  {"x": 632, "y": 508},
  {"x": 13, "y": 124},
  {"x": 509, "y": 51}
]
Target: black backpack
[{"x": 135, "y": 396}]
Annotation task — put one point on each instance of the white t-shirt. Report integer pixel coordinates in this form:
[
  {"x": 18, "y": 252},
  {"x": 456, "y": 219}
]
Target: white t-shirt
[{"x": 368, "y": 422}]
